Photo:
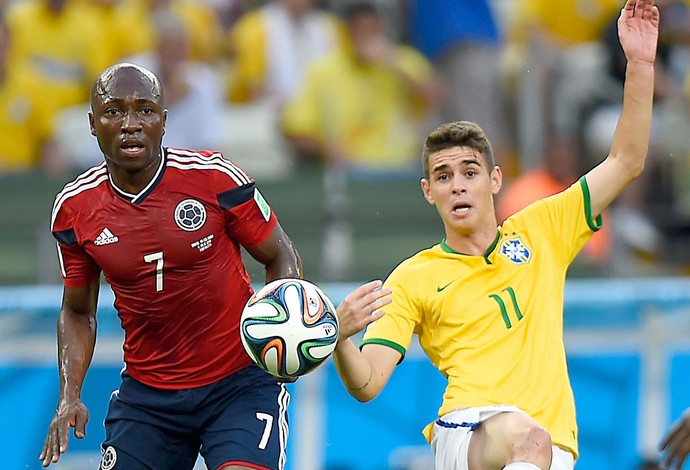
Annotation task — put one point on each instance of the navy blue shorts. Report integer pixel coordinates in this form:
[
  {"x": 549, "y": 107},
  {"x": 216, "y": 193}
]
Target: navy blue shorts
[{"x": 240, "y": 420}]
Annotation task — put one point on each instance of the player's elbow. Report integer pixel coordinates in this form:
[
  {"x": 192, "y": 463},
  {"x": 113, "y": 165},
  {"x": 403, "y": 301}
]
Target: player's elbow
[
  {"x": 364, "y": 396},
  {"x": 629, "y": 168}
]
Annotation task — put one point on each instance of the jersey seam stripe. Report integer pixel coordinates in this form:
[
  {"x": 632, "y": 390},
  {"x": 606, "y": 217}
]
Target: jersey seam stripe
[
  {"x": 191, "y": 153},
  {"x": 63, "y": 269},
  {"x": 73, "y": 193},
  {"x": 80, "y": 181},
  {"x": 195, "y": 166},
  {"x": 216, "y": 158},
  {"x": 84, "y": 176},
  {"x": 284, "y": 400}
]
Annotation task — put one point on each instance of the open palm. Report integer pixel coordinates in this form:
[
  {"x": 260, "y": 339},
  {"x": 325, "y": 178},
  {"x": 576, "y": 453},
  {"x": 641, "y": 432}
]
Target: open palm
[{"x": 638, "y": 30}]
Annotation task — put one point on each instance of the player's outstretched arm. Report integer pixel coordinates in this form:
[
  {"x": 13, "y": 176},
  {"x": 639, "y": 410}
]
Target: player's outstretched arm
[
  {"x": 638, "y": 32},
  {"x": 364, "y": 373},
  {"x": 676, "y": 444},
  {"x": 76, "y": 337}
]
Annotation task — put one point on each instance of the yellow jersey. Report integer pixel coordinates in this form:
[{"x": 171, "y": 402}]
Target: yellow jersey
[{"x": 493, "y": 324}]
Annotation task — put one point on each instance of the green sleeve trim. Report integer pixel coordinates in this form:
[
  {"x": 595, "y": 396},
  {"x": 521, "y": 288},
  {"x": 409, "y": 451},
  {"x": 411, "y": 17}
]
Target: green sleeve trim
[
  {"x": 594, "y": 223},
  {"x": 385, "y": 342}
]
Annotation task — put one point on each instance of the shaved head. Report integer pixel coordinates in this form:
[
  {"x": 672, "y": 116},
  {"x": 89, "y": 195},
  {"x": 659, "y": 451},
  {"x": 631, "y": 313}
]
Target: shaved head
[{"x": 104, "y": 86}]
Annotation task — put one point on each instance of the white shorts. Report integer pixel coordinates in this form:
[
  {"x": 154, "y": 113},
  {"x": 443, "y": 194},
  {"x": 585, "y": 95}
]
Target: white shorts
[{"x": 451, "y": 442}]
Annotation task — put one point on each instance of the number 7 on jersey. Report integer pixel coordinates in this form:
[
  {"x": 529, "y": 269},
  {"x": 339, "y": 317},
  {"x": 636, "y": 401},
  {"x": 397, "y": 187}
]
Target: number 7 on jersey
[{"x": 158, "y": 258}]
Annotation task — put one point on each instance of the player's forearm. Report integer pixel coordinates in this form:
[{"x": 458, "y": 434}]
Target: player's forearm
[
  {"x": 287, "y": 265},
  {"x": 76, "y": 342},
  {"x": 631, "y": 139},
  {"x": 354, "y": 370}
]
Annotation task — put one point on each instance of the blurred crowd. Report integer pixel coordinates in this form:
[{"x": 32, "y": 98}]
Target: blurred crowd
[{"x": 354, "y": 86}]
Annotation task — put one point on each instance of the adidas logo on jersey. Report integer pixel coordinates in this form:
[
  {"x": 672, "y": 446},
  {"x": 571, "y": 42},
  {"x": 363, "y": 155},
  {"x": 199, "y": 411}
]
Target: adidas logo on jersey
[{"x": 105, "y": 238}]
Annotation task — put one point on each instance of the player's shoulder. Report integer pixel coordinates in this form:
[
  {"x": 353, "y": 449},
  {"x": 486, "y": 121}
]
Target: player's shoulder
[
  {"x": 88, "y": 181},
  {"x": 78, "y": 192},
  {"x": 419, "y": 262},
  {"x": 208, "y": 164}
]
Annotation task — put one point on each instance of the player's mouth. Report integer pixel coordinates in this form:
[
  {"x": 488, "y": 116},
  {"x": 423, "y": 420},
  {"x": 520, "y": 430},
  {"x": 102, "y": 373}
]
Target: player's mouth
[
  {"x": 132, "y": 148},
  {"x": 461, "y": 208}
]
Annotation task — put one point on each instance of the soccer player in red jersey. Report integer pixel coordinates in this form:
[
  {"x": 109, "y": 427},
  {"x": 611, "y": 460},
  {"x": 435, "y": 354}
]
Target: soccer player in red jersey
[{"x": 165, "y": 227}]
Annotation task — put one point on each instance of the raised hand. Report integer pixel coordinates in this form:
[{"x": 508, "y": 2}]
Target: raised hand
[{"x": 638, "y": 30}]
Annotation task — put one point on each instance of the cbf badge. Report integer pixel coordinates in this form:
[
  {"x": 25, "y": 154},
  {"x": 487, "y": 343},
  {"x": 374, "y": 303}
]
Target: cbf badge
[{"x": 515, "y": 251}]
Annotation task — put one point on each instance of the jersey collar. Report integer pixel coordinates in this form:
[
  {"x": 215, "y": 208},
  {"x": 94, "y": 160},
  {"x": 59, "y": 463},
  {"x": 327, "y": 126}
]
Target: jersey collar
[
  {"x": 444, "y": 246},
  {"x": 141, "y": 195}
]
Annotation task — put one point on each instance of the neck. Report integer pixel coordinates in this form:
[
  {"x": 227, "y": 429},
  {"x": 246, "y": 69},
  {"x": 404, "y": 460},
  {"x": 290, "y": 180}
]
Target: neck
[{"x": 133, "y": 181}]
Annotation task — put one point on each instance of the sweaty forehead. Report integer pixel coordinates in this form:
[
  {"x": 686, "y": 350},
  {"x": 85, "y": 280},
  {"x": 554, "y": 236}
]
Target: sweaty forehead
[{"x": 127, "y": 83}]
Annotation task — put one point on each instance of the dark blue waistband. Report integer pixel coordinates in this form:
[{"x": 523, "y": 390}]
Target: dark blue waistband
[{"x": 464, "y": 424}]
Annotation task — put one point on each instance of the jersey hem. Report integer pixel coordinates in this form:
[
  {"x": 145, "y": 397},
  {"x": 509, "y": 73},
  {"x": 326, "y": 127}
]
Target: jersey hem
[
  {"x": 594, "y": 223},
  {"x": 172, "y": 384},
  {"x": 385, "y": 342}
]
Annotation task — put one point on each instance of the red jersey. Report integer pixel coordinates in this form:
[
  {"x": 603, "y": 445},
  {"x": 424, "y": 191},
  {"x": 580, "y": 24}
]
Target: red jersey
[{"x": 172, "y": 257}]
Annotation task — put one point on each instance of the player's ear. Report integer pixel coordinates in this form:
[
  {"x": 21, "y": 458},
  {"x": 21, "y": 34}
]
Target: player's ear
[
  {"x": 425, "y": 190},
  {"x": 92, "y": 124},
  {"x": 496, "y": 176},
  {"x": 165, "y": 119}
]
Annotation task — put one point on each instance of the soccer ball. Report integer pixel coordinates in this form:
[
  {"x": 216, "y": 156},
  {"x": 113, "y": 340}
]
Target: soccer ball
[{"x": 289, "y": 327}]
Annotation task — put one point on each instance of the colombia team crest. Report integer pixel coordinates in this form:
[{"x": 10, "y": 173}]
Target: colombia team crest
[
  {"x": 190, "y": 215},
  {"x": 515, "y": 250}
]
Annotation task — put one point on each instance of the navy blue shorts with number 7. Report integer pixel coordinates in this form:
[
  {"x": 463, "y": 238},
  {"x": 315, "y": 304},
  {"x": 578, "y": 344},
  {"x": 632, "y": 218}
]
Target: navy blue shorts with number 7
[{"x": 240, "y": 420}]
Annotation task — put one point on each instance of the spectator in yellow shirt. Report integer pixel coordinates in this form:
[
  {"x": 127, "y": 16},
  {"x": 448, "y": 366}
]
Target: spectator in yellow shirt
[
  {"x": 363, "y": 105},
  {"x": 61, "y": 45},
  {"x": 270, "y": 48},
  {"x": 199, "y": 18},
  {"x": 23, "y": 125}
]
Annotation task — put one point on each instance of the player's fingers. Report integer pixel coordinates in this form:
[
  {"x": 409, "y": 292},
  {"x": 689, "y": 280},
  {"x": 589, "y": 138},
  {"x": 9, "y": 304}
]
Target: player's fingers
[
  {"x": 655, "y": 15},
  {"x": 629, "y": 8},
  {"x": 375, "y": 315},
  {"x": 681, "y": 460},
  {"x": 378, "y": 295},
  {"x": 52, "y": 450},
  {"x": 62, "y": 440},
  {"x": 46, "y": 454},
  {"x": 80, "y": 425}
]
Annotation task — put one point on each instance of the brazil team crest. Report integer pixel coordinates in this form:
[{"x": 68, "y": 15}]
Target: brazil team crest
[{"x": 515, "y": 250}]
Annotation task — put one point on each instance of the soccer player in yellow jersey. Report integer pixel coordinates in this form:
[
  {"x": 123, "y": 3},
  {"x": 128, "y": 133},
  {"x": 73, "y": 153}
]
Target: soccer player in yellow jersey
[{"x": 487, "y": 302}]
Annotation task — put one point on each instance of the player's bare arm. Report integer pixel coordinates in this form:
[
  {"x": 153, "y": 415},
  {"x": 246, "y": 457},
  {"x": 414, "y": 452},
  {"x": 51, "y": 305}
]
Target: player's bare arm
[
  {"x": 638, "y": 31},
  {"x": 364, "y": 373},
  {"x": 278, "y": 255},
  {"x": 76, "y": 335}
]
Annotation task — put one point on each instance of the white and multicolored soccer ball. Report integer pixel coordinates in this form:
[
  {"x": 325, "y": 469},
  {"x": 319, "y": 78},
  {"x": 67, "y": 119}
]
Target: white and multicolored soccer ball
[{"x": 289, "y": 327}]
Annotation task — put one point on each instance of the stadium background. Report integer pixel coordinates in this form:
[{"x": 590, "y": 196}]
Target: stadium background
[{"x": 628, "y": 339}]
